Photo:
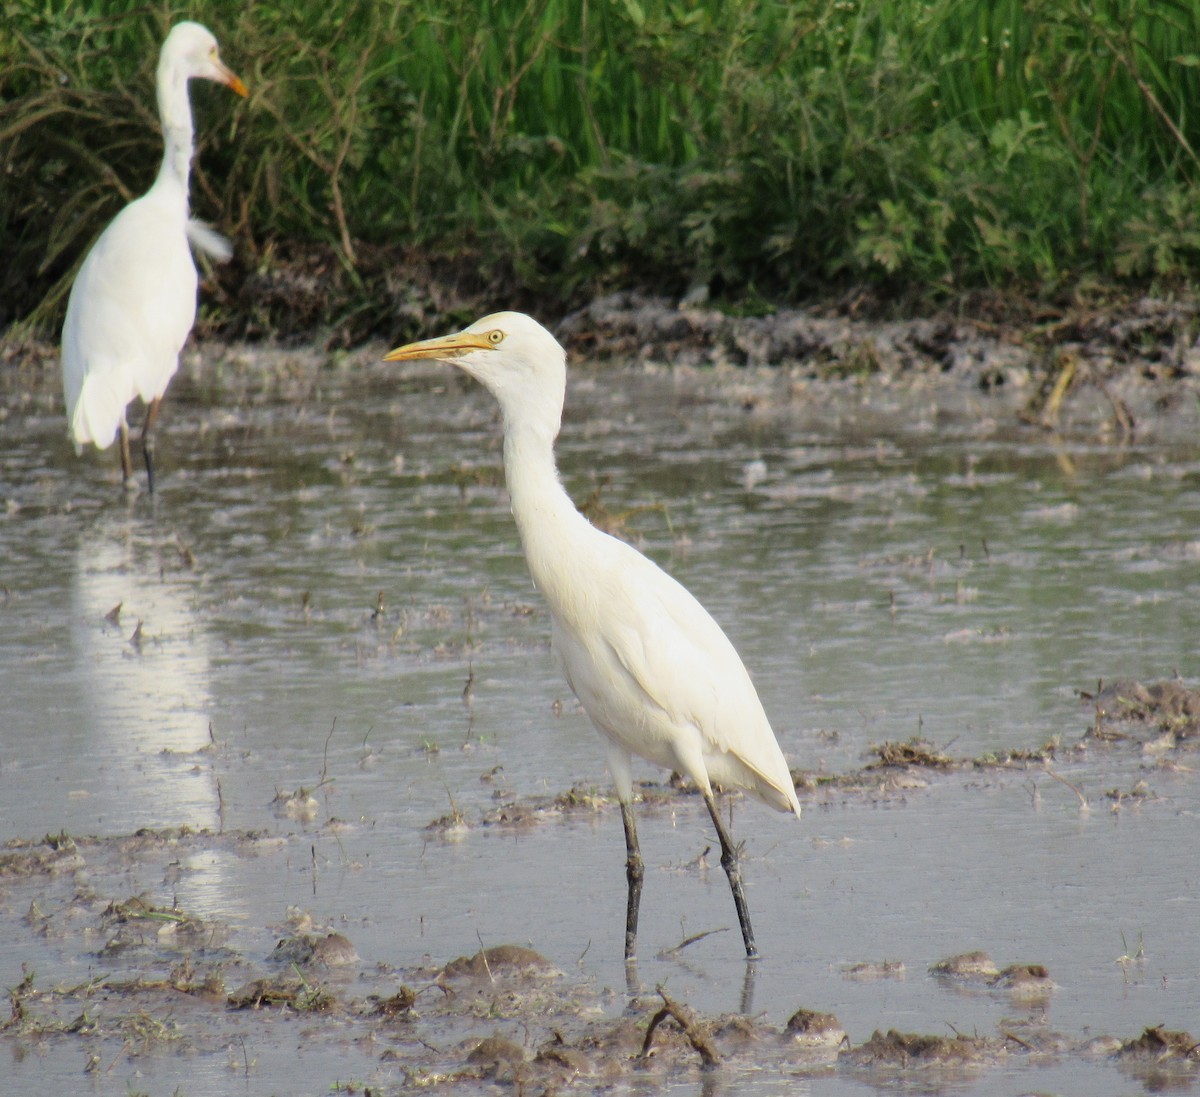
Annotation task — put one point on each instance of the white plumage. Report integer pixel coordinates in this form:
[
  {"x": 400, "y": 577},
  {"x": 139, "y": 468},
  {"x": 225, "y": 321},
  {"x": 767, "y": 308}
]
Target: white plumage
[
  {"x": 654, "y": 672},
  {"x": 134, "y": 299}
]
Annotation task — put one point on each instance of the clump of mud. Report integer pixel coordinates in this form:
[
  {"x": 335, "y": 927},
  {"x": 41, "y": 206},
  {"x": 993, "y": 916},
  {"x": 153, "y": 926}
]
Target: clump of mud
[
  {"x": 1027, "y": 982},
  {"x": 502, "y": 960},
  {"x": 892, "y": 1050},
  {"x": 1161, "y": 1060},
  {"x": 1159, "y": 716}
]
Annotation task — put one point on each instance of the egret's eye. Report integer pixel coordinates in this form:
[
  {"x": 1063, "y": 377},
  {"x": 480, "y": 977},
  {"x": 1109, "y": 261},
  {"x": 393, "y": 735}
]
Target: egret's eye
[{"x": 495, "y": 337}]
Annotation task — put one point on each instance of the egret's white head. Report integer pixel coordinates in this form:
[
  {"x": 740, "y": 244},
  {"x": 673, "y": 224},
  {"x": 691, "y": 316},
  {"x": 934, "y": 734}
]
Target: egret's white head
[
  {"x": 513, "y": 357},
  {"x": 190, "y": 50}
]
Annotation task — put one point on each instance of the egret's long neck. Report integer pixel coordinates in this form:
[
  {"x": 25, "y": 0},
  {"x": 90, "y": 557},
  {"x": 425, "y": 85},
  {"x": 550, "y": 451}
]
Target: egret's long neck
[
  {"x": 175, "y": 111},
  {"x": 548, "y": 522}
]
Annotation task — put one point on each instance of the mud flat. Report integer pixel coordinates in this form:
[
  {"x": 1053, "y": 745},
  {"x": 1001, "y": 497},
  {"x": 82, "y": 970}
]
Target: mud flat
[{"x": 158, "y": 986}]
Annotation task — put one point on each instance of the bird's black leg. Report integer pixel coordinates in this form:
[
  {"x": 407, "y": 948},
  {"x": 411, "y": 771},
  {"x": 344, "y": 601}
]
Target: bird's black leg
[
  {"x": 729, "y": 862},
  {"x": 148, "y": 440},
  {"x": 634, "y": 873},
  {"x": 126, "y": 462}
]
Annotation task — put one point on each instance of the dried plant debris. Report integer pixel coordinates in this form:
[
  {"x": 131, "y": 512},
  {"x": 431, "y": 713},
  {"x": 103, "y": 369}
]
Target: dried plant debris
[
  {"x": 291, "y": 991},
  {"x": 915, "y": 752},
  {"x": 1160, "y": 716}
]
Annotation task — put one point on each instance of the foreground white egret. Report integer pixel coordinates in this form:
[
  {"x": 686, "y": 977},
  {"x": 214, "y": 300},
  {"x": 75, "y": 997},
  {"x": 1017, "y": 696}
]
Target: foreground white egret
[
  {"x": 652, "y": 669},
  {"x": 134, "y": 300}
]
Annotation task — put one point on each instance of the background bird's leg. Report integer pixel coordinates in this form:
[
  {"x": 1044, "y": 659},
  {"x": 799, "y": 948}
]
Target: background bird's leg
[
  {"x": 148, "y": 440},
  {"x": 126, "y": 462},
  {"x": 729, "y": 862},
  {"x": 634, "y": 872}
]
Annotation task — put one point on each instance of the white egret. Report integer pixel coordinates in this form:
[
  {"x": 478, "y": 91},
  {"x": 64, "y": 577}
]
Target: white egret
[
  {"x": 652, "y": 669},
  {"x": 134, "y": 300}
]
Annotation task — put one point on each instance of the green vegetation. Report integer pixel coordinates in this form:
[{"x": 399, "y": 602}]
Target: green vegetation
[{"x": 770, "y": 151}]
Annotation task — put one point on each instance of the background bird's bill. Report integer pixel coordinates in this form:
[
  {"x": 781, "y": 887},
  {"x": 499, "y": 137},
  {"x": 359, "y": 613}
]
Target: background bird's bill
[{"x": 230, "y": 78}]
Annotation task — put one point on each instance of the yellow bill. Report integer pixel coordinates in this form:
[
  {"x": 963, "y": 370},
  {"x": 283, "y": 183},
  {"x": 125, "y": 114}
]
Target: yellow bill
[
  {"x": 445, "y": 347},
  {"x": 232, "y": 81}
]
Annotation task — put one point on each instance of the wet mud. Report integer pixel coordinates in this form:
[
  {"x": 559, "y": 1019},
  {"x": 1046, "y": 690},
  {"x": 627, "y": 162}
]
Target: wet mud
[
  {"x": 158, "y": 981},
  {"x": 128, "y": 979}
]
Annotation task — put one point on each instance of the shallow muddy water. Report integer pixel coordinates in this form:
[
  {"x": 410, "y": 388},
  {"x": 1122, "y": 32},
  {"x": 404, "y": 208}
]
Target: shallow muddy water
[{"x": 330, "y": 560}]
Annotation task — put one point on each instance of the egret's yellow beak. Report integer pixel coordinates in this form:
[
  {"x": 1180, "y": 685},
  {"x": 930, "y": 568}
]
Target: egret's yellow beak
[
  {"x": 445, "y": 348},
  {"x": 230, "y": 79}
]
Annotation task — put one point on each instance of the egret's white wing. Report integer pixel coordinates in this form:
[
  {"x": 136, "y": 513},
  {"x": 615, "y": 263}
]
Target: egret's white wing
[
  {"x": 129, "y": 314},
  {"x": 650, "y": 664},
  {"x": 204, "y": 238}
]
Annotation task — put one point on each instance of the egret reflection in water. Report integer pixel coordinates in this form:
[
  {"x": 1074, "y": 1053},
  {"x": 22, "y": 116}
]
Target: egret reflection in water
[{"x": 143, "y": 668}]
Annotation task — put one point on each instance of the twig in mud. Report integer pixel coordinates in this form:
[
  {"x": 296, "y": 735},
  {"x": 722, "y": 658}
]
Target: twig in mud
[
  {"x": 468, "y": 693},
  {"x": 455, "y": 813},
  {"x": 699, "y": 861},
  {"x": 325, "y": 759},
  {"x": 692, "y": 1029},
  {"x": 1083, "y": 802},
  {"x": 1121, "y": 413},
  {"x": 483, "y": 953},
  {"x": 124, "y": 1050},
  {"x": 1017, "y": 1040},
  {"x": 690, "y": 941}
]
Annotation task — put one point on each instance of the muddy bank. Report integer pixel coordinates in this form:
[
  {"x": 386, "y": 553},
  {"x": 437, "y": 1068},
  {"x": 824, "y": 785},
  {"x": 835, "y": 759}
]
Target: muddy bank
[
  {"x": 1135, "y": 358},
  {"x": 1133, "y": 363},
  {"x": 1153, "y": 335}
]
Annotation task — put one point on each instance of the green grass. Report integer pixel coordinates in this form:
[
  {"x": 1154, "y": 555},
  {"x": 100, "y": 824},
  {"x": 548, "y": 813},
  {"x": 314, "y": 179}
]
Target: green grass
[{"x": 772, "y": 151}]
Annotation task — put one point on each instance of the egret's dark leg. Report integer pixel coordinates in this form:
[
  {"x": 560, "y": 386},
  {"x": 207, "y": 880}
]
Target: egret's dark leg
[
  {"x": 126, "y": 462},
  {"x": 148, "y": 440},
  {"x": 729, "y": 862},
  {"x": 634, "y": 873}
]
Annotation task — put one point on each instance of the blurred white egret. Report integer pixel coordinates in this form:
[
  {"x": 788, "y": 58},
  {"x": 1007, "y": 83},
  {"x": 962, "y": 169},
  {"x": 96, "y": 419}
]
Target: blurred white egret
[
  {"x": 134, "y": 300},
  {"x": 653, "y": 670}
]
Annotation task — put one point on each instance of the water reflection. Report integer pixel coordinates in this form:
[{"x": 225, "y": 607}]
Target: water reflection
[{"x": 143, "y": 681}]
